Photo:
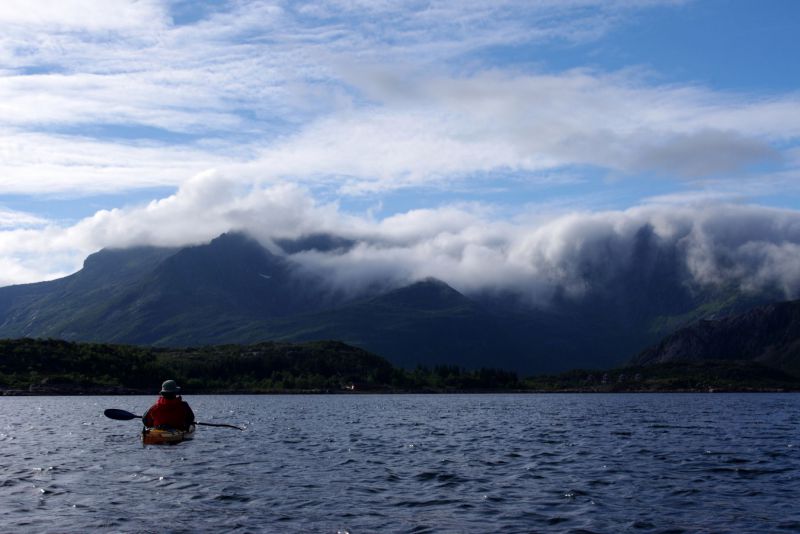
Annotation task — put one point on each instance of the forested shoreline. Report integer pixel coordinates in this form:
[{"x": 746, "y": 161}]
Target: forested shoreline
[
  {"x": 31, "y": 366},
  {"x": 51, "y": 367}
]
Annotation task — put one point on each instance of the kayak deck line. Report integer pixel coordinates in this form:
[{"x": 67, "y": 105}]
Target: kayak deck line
[{"x": 166, "y": 436}]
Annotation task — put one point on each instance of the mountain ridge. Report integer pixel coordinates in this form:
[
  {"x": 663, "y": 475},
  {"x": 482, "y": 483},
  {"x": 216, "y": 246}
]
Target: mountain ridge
[{"x": 234, "y": 290}]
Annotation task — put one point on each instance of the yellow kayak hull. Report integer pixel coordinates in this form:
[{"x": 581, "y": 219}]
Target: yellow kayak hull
[{"x": 166, "y": 436}]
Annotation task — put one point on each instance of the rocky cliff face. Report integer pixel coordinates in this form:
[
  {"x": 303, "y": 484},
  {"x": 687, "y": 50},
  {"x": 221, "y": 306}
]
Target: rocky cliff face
[{"x": 768, "y": 334}]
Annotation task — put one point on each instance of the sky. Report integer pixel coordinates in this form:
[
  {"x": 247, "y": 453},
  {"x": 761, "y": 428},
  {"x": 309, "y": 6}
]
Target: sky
[{"x": 485, "y": 143}]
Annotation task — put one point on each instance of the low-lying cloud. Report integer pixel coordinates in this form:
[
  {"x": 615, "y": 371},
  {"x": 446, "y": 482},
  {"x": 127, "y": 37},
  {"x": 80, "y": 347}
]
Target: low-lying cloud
[{"x": 470, "y": 247}]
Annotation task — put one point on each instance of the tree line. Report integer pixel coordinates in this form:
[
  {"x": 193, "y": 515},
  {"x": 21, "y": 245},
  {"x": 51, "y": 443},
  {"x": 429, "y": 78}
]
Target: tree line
[{"x": 51, "y": 365}]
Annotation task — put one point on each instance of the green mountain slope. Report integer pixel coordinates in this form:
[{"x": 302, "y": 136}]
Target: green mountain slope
[
  {"x": 426, "y": 323},
  {"x": 766, "y": 334}
]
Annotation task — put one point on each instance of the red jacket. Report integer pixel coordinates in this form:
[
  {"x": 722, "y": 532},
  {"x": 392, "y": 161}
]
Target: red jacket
[{"x": 174, "y": 413}]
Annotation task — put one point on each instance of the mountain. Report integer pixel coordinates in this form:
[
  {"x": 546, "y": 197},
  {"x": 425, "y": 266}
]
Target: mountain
[
  {"x": 234, "y": 290},
  {"x": 161, "y": 296},
  {"x": 766, "y": 334},
  {"x": 427, "y": 322},
  {"x": 80, "y": 302}
]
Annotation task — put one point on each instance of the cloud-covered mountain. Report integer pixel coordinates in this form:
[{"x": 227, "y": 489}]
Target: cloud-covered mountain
[
  {"x": 623, "y": 292},
  {"x": 570, "y": 257},
  {"x": 164, "y": 123},
  {"x": 471, "y": 247},
  {"x": 152, "y": 295}
]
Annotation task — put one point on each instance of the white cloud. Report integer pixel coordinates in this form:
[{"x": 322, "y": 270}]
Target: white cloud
[
  {"x": 752, "y": 247},
  {"x": 292, "y": 79},
  {"x": 427, "y": 130},
  {"x": 14, "y": 271},
  {"x": 134, "y": 99},
  {"x": 45, "y": 164},
  {"x": 17, "y": 219},
  {"x": 471, "y": 247},
  {"x": 438, "y": 131},
  {"x": 86, "y": 15},
  {"x": 115, "y": 95}
]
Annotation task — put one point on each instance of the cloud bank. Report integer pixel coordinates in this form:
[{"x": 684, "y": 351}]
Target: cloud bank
[
  {"x": 471, "y": 247},
  {"x": 268, "y": 117}
]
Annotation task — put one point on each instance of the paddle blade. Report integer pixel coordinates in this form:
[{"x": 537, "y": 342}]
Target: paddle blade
[{"x": 120, "y": 415}]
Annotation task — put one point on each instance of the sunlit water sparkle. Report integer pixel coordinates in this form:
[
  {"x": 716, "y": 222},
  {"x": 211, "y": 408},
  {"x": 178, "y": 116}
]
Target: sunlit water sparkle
[{"x": 408, "y": 463}]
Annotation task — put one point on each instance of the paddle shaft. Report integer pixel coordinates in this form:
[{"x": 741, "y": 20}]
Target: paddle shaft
[
  {"x": 218, "y": 424},
  {"x": 122, "y": 415}
]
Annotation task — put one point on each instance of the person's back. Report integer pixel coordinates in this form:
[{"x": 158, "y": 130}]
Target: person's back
[{"x": 170, "y": 410}]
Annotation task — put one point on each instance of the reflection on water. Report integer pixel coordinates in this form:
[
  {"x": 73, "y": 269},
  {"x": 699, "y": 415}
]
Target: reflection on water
[{"x": 414, "y": 463}]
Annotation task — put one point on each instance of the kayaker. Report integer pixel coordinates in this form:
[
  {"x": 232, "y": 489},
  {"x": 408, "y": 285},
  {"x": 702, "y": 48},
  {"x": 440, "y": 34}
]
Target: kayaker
[{"x": 170, "y": 410}]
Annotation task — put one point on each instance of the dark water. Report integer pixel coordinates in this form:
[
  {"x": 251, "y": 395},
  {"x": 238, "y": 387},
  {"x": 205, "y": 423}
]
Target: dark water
[{"x": 480, "y": 463}]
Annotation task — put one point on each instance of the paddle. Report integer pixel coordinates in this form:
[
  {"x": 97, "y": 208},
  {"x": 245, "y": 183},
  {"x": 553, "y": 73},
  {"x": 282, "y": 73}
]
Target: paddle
[{"x": 122, "y": 415}]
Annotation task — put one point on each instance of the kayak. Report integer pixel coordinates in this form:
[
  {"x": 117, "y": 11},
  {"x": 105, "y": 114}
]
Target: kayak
[{"x": 166, "y": 436}]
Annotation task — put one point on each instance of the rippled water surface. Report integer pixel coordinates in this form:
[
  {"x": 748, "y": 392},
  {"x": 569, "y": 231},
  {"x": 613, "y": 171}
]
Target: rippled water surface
[{"x": 408, "y": 463}]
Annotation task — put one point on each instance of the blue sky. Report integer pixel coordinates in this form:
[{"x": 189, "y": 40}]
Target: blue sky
[{"x": 167, "y": 122}]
